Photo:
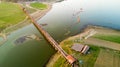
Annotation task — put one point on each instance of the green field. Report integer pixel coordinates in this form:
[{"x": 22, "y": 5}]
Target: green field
[
  {"x": 108, "y": 58},
  {"x": 37, "y": 5},
  {"x": 112, "y": 38},
  {"x": 10, "y": 14}
]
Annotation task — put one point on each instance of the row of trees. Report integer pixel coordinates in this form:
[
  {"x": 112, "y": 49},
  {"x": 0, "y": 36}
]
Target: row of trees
[
  {"x": 24, "y": 0},
  {"x": 9, "y": 0},
  {"x": 21, "y": 0}
]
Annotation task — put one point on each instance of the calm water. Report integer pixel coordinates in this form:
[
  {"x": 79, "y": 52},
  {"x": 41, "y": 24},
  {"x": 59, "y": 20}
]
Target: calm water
[
  {"x": 61, "y": 19},
  {"x": 32, "y": 53}
]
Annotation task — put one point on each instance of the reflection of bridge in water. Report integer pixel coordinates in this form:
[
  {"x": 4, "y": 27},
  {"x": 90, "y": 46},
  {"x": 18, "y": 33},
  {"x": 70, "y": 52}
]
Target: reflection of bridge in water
[{"x": 68, "y": 57}]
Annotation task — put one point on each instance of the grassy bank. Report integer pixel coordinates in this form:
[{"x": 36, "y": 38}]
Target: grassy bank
[
  {"x": 10, "y": 14},
  {"x": 37, "y": 5},
  {"x": 61, "y": 62}
]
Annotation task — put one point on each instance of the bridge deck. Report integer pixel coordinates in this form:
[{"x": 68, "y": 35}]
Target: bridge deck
[{"x": 69, "y": 58}]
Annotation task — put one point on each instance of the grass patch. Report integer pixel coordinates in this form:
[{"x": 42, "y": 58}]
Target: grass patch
[
  {"x": 37, "y": 5},
  {"x": 61, "y": 62},
  {"x": 66, "y": 45},
  {"x": 112, "y": 38},
  {"x": 89, "y": 59},
  {"x": 10, "y": 14}
]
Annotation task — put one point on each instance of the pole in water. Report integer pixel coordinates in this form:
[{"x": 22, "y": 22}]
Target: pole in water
[{"x": 78, "y": 19}]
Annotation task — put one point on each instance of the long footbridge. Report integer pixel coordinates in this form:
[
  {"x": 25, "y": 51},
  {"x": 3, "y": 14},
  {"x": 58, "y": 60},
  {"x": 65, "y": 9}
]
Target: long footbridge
[{"x": 68, "y": 57}]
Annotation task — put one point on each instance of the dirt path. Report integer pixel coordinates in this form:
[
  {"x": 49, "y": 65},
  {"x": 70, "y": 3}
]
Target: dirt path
[
  {"x": 102, "y": 43},
  {"x": 28, "y": 5}
]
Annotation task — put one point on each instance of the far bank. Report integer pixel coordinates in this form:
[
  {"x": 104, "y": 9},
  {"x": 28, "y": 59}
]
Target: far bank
[
  {"x": 36, "y": 14},
  {"x": 102, "y": 41}
]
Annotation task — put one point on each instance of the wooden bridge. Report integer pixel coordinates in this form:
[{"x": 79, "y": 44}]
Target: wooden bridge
[{"x": 68, "y": 57}]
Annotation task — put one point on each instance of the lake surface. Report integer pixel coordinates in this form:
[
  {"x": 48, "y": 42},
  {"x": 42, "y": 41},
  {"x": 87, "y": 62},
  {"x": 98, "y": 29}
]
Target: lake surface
[{"x": 62, "y": 22}]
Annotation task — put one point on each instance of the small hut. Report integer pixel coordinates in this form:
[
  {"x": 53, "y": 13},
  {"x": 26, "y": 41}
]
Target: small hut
[
  {"x": 80, "y": 48},
  {"x": 85, "y": 49}
]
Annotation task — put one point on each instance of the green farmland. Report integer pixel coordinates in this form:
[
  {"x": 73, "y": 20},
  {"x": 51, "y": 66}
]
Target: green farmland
[
  {"x": 108, "y": 58},
  {"x": 40, "y": 6},
  {"x": 10, "y": 14},
  {"x": 111, "y": 38}
]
